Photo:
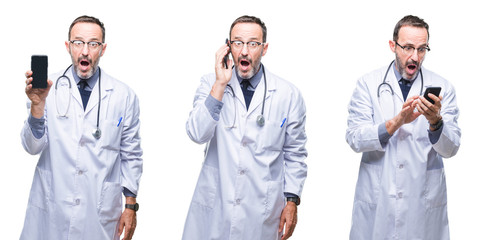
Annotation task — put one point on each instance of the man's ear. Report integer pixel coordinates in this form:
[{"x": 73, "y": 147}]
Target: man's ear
[
  {"x": 392, "y": 45},
  {"x": 265, "y": 48}
]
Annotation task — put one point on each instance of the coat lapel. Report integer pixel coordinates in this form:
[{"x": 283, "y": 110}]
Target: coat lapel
[
  {"x": 392, "y": 80},
  {"x": 106, "y": 85},
  {"x": 74, "y": 88},
  {"x": 257, "y": 100}
]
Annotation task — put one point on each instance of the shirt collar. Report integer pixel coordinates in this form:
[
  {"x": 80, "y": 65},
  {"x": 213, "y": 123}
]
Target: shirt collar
[
  {"x": 255, "y": 80},
  {"x": 90, "y": 81}
]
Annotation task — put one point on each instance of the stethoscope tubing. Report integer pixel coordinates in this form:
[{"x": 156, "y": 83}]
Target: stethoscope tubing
[
  {"x": 390, "y": 86},
  {"x": 260, "y": 118},
  {"x": 384, "y": 82},
  {"x": 96, "y": 132}
]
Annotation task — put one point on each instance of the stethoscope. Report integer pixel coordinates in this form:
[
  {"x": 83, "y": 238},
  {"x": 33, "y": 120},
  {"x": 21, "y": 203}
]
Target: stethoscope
[
  {"x": 260, "y": 118},
  {"x": 97, "y": 133},
  {"x": 385, "y": 83},
  {"x": 390, "y": 86}
]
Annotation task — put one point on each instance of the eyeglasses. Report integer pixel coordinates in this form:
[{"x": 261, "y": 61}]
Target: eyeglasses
[
  {"x": 252, "y": 46},
  {"x": 409, "y": 50},
  {"x": 79, "y": 44}
]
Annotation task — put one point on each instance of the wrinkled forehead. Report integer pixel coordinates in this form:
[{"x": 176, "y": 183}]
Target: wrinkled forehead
[
  {"x": 413, "y": 35},
  {"x": 246, "y": 31},
  {"x": 86, "y": 31}
]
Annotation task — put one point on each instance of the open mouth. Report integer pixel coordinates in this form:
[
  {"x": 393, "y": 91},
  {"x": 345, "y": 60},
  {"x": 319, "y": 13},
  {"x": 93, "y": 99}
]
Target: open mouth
[
  {"x": 244, "y": 63},
  {"x": 84, "y": 63},
  {"x": 411, "y": 68}
]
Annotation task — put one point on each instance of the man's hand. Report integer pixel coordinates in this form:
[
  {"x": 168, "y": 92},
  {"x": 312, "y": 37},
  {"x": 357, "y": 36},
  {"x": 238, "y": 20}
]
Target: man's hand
[
  {"x": 128, "y": 220},
  {"x": 288, "y": 219},
  {"x": 407, "y": 115},
  {"x": 36, "y": 95},
  {"x": 429, "y": 110},
  {"x": 223, "y": 75}
]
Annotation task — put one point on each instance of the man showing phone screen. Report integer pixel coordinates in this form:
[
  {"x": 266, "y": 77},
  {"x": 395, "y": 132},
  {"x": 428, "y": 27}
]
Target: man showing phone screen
[{"x": 85, "y": 127}]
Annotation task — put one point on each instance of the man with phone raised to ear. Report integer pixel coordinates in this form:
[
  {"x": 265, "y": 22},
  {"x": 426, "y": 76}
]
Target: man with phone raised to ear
[
  {"x": 403, "y": 138},
  {"x": 85, "y": 126},
  {"x": 253, "y": 125}
]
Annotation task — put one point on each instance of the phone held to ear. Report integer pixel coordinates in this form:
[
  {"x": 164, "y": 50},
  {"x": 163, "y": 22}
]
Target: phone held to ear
[
  {"x": 433, "y": 90},
  {"x": 39, "y": 67},
  {"x": 225, "y": 59}
]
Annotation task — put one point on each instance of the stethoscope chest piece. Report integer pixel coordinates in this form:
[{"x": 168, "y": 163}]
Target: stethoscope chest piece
[
  {"x": 97, "y": 133},
  {"x": 261, "y": 120}
]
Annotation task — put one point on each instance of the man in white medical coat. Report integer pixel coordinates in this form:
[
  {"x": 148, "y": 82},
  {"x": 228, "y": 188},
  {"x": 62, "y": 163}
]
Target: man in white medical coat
[
  {"x": 401, "y": 190},
  {"x": 253, "y": 124},
  {"x": 81, "y": 174}
]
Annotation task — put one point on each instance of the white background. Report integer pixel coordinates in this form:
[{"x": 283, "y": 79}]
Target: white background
[{"x": 162, "y": 48}]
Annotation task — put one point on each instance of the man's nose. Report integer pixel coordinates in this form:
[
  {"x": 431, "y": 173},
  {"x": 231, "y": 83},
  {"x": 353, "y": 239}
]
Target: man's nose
[
  {"x": 415, "y": 56},
  {"x": 244, "y": 50},
  {"x": 85, "y": 49}
]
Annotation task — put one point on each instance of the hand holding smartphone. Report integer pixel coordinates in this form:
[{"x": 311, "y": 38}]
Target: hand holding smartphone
[
  {"x": 225, "y": 59},
  {"x": 433, "y": 90},
  {"x": 39, "y": 67}
]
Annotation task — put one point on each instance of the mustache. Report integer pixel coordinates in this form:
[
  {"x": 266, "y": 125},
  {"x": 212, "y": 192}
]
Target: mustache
[
  {"x": 245, "y": 58},
  {"x": 412, "y": 62},
  {"x": 84, "y": 59}
]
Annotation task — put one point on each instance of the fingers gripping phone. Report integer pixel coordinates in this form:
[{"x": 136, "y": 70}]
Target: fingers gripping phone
[
  {"x": 225, "y": 59},
  {"x": 433, "y": 90},
  {"x": 39, "y": 67}
]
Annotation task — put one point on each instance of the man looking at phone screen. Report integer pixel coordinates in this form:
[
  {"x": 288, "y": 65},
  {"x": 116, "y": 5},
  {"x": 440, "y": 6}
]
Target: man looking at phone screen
[
  {"x": 85, "y": 126},
  {"x": 400, "y": 192},
  {"x": 254, "y": 125}
]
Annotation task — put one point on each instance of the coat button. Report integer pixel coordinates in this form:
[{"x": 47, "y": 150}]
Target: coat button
[{"x": 77, "y": 202}]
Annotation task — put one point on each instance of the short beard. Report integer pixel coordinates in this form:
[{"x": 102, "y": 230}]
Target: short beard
[
  {"x": 255, "y": 68},
  {"x": 401, "y": 69},
  {"x": 249, "y": 75},
  {"x": 80, "y": 73}
]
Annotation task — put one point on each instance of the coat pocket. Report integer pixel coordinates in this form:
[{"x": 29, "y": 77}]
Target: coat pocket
[
  {"x": 206, "y": 189},
  {"x": 110, "y": 205},
  {"x": 40, "y": 194},
  {"x": 368, "y": 184},
  {"x": 111, "y": 134},
  {"x": 436, "y": 190},
  {"x": 272, "y": 136},
  {"x": 275, "y": 201}
]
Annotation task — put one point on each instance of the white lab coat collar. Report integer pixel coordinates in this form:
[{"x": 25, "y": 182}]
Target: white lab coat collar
[
  {"x": 257, "y": 99},
  {"x": 106, "y": 85},
  {"x": 414, "y": 90}
]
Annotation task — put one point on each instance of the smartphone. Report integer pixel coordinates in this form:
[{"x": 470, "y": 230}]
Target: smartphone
[
  {"x": 39, "y": 67},
  {"x": 434, "y": 90},
  {"x": 225, "y": 59}
]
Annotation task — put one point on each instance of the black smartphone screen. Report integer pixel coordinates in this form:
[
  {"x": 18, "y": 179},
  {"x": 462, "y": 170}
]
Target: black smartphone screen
[
  {"x": 225, "y": 59},
  {"x": 434, "y": 90},
  {"x": 39, "y": 67}
]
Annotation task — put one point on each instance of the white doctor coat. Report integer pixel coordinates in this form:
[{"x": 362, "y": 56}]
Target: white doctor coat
[
  {"x": 401, "y": 190},
  {"x": 77, "y": 187},
  {"x": 247, "y": 169}
]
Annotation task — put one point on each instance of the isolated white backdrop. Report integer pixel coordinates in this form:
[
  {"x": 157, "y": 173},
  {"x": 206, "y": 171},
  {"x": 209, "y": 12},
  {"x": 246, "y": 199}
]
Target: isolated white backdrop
[{"x": 162, "y": 48}]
